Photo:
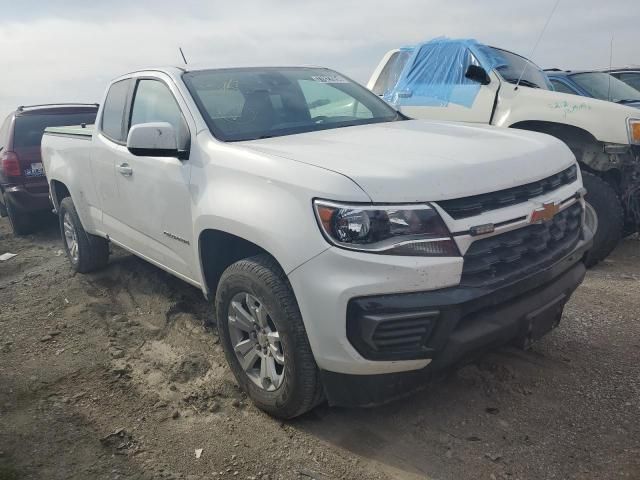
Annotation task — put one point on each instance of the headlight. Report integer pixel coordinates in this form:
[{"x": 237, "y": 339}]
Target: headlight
[
  {"x": 415, "y": 230},
  {"x": 634, "y": 131}
]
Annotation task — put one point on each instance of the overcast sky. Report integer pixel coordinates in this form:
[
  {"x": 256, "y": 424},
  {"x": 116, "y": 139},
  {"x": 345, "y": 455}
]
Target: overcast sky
[{"x": 67, "y": 50}]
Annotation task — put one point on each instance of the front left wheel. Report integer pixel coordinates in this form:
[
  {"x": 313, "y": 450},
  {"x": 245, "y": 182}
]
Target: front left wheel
[
  {"x": 85, "y": 252},
  {"x": 264, "y": 339}
]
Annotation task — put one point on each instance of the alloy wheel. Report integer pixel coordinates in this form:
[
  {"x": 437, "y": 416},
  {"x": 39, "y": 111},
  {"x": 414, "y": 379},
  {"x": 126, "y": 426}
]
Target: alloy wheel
[
  {"x": 70, "y": 238},
  {"x": 256, "y": 341}
]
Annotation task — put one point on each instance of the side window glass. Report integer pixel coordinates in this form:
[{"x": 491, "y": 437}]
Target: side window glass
[
  {"x": 113, "y": 111},
  {"x": 154, "y": 102},
  {"x": 4, "y": 130},
  {"x": 561, "y": 87},
  {"x": 391, "y": 72}
]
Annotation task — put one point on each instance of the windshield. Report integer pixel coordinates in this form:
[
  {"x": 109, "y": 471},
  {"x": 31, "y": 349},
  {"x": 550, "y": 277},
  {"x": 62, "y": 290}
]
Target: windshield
[
  {"x": 630, "y": 78},
  {"x": 251, "y": 103},
  {"x": 512, "y": 67},
  {"x": 606, "y": 87}
]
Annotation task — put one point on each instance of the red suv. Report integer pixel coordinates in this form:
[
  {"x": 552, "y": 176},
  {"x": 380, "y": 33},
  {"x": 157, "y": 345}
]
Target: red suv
[{"x": 23, "y": 186}]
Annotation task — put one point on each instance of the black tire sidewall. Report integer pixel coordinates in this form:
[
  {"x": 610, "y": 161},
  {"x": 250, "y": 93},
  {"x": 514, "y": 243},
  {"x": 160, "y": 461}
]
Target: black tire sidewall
[
  {"x": 604, "y": 200},
  {"x": 21, "y": 222},
  {"x": 93, "y": 251},
  {"x": 285, "y": 401}
]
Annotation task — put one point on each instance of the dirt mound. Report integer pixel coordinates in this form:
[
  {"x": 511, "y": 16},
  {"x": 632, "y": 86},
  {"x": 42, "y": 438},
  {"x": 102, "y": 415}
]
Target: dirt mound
[{"x": 191, "y": 366}]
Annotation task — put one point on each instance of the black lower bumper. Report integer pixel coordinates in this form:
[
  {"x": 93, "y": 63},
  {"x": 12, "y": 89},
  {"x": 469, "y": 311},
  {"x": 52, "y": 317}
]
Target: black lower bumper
[
  {"x": 457, "y": 324},
  {"x": 26, "y": 201}
]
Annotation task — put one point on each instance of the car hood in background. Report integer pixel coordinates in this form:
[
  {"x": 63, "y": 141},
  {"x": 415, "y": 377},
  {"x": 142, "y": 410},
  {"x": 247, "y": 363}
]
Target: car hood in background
[{"x": 630, "y": 104}]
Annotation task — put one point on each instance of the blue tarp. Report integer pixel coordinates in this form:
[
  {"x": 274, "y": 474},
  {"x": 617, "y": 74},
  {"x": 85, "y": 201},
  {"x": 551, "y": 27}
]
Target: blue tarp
[{"x": 434, "y": 74}]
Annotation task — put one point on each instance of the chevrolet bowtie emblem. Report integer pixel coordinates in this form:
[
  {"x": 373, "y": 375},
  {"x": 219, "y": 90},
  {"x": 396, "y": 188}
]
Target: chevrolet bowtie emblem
[{"x": 544, "y": 213}]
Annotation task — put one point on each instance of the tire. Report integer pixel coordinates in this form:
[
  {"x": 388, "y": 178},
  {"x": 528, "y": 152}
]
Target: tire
[
  {"x": 3, "y": 208},
  {"x": 22, "y": 223},
  {"x": 262, "y": 278},
  {"x": 91, "y": 252},
  {"x": 610, "y": 217}
]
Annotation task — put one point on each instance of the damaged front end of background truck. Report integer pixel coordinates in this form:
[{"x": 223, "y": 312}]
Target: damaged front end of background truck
[{"x": 464, "y": 80}]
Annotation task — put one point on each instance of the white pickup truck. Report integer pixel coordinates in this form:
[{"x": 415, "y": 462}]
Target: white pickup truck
[
  {"x": 350, "y": 251},
  {"x": 466, "y": 81}
]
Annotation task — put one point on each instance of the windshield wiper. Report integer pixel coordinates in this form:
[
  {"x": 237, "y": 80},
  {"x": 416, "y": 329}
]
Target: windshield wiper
[
  {"x": 400, "y": 116},
  {"x": 629, "y": 100},
  {"x": 326, "y": 126},
  {"x": 523, "y": 82}
]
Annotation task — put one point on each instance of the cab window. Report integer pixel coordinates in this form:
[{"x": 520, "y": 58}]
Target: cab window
[
  {"x": 4, "y": 132},
  {"x": 391, "y": 72},
  {"x": 112, "y": 124},
  {"x": 154, "y": 102}
]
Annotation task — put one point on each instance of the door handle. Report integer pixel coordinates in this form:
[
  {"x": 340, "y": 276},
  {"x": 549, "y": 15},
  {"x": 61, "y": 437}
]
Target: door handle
[{"x": 125, "y": 169}]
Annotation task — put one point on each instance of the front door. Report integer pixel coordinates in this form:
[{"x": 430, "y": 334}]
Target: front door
[
  {"x": 154, "y": 199},
  {"x": 468, "y": 103},
  {"x": 432, "y": 84},
  {"x": 443, "y": 92}
]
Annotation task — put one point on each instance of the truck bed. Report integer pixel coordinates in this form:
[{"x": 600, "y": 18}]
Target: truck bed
[
  {"x": 85, "y": 131},
  {"x": 66, "y": 156}
]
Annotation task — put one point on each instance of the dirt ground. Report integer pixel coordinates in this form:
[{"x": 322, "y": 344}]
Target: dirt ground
[{"x": 118, "y": 375}]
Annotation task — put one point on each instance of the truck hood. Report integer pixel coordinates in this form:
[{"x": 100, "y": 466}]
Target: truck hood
[
  {"x": 535, "y": 104},
  {"x": 416, "y": 161}
]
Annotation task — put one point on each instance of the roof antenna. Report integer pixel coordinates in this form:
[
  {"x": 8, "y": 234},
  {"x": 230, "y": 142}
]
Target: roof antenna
[
  {"x": 610, "y": 68},
  {"x": 544, "y": 29},
  {"x": 183, "y": 57}
]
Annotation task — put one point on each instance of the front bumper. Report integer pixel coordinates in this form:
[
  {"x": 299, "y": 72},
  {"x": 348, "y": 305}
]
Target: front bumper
[
  {"x": 471, "y": 327},
  {"x": 460, "y": 321}
]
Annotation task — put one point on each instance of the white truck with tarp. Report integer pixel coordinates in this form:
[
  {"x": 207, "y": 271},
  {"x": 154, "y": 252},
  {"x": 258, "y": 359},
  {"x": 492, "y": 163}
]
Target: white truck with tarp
[{"x": 464, "y": 80}]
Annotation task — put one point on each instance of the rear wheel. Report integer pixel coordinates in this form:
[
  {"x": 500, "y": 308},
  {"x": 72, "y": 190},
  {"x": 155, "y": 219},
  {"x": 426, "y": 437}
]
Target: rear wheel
[
  {"x": 3, "y": 208},
  {"x": 85, "y": 252},
  {"x": 21, "y": 222},
  {"x": 264, "y": 339},
  {"x": 604, "y": 215}
]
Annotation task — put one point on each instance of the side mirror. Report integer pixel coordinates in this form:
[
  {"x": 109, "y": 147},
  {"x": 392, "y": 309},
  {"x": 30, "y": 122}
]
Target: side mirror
[
  {"x": 478, "y": 74},
  {"x": 156, "y": 139}
]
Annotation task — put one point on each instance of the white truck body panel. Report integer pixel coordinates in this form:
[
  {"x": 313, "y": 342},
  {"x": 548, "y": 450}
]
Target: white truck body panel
[
  {"x": 480, "y": 112},
  {"x": 534, "y": 104}
]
